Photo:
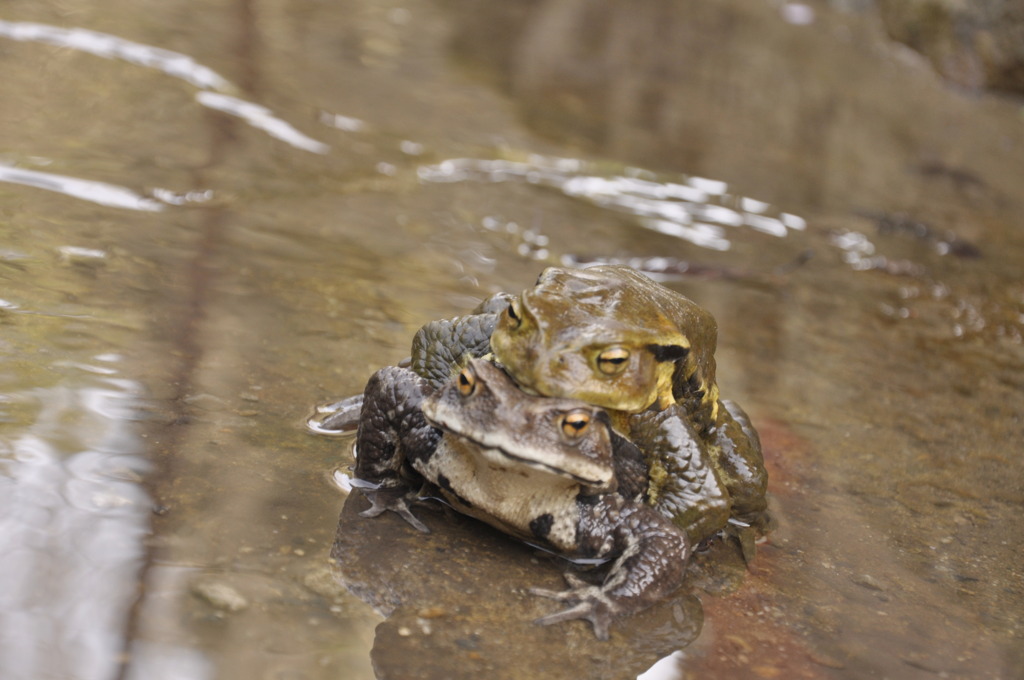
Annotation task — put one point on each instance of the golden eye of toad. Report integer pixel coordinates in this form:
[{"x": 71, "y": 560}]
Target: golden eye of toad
[
  {"x": 466, "y": 382},
  {"x": 575, "y": 424},
  {"x": 514, "y": 320},
  {"x": 613, "y": 360}
]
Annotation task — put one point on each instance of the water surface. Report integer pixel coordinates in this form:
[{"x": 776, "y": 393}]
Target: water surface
[{"x": 216, "y": 215}]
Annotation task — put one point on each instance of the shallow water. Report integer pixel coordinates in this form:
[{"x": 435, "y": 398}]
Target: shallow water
[{"x": 215, "y": 216}]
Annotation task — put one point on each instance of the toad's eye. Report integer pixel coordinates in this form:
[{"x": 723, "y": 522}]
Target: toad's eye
[
  {"x": 613, "y": 360},
  {"x": 466, "y": 382},
  {"x": 575, "y": 424},
  {"x": 514, "y": 319}
]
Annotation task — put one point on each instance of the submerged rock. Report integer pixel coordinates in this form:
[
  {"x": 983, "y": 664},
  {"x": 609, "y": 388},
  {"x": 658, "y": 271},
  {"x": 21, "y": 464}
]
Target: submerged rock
[{"x": 457, "y": 605}]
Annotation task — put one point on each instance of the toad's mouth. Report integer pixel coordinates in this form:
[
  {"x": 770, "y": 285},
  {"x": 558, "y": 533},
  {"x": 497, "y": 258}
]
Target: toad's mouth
[{"x": 578, "y": 468}]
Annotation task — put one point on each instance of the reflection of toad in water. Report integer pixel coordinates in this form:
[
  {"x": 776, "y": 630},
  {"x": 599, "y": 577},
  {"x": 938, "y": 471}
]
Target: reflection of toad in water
[{"x": 457, "y": 605}]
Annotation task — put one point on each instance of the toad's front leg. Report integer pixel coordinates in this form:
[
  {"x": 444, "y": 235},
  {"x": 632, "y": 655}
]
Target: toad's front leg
[
  {"x": 651, "y": 562},
  {"x": 737, "y": 455},
  {"x": 685, "y": 485},
  {"x": 393, "y": 434}
]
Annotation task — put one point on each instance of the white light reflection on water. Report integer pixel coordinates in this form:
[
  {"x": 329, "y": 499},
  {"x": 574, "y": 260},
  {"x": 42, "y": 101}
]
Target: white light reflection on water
[
  {"x": 188, "y": 198},
  {"x": 85, "y": 189},
  {"x": 154, "y": 661},
  {"x": 344, "y": 123},
  {"x": 112, "y": 47},
  {"x": 173, "y": 64},
  {"x": 706, "y": 235},
  {"x": 667, "y": 668},
  {"x": 261, "y": 118},
  {"x": 797, "y": 13},
  {"x": 696, "y": 209},
  {"x": 858, "y": 251},
  {"x": 73, "y": 518}
]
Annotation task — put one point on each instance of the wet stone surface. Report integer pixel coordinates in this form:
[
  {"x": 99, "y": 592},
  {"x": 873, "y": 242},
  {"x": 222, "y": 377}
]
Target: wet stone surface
[{"x": 456, "y": 604}]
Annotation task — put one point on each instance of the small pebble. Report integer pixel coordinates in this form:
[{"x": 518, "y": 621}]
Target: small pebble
[
  {"x": 868, "y": 581},
  {"x": 221, "y": 596}
]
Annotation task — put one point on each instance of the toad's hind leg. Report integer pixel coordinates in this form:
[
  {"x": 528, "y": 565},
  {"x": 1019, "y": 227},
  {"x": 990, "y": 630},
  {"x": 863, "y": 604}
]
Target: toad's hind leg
[{"x": 393, "y": 433}]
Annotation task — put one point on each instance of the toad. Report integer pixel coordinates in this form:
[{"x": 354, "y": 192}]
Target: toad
[
  {"x": 612, "y": 337},
  {"x": 549, "y": 471}
]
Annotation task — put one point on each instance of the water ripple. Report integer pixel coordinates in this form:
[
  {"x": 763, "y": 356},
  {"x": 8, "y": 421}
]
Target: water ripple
[
  {"x": 112, "y": 47},
  {"x": 261, "y": 118},
  {"x": 697, "y": 209},
  {"x": 89, "y": 190},
  {"x": 173, "y": 64}
]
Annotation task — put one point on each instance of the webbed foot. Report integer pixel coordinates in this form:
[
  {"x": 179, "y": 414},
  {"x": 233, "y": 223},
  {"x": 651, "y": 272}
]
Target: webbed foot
[
  {"x": 592, "y": 604},
  {"x": 395, "y": 500}
]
